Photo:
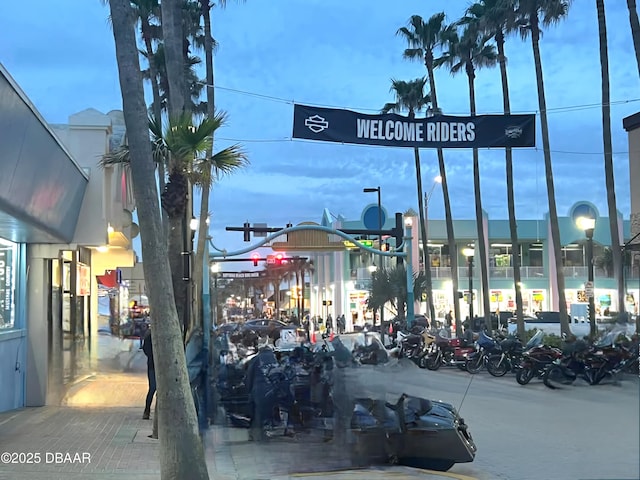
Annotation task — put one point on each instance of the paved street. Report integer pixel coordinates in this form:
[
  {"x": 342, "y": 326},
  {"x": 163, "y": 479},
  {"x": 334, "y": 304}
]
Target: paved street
[{"x": 531, "y": 432}]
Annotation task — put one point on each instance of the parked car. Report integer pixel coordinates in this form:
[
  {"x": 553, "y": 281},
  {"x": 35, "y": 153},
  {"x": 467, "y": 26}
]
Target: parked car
[{"x": 265, "y": 327}]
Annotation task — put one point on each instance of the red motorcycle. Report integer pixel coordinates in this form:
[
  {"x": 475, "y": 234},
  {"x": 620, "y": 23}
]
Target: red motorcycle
[
  {"x": 535, "y": 359},
  {"x": 447, "y": 351}
]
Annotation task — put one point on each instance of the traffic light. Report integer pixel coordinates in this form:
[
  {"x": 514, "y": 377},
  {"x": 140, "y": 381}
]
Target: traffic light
[
  {"x": 398, "y": 233},
  {"x": 247, "y": 232},
  {"x": 256, "y": 258},
  {"x": 279, "y": 258}
]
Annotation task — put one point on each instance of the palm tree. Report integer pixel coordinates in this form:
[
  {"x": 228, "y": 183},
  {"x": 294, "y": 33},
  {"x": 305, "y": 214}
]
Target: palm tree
[
  {"x": 188, "y": 145},
  {"x": 206, "y": 170},
  {"x": 470, "y": 52},
  {"x": 410, "y": 97},
  {"x": 529, "y": 14},
  {"x": 496, "y": 18},
  {"x": 608, "y": 157},
  {"x": 182, "y": 452},
  {"x": 635, "y": 29},
  {"x": 302, "y": 267},
  {"x": 389, "y": 286},
  {"x": 422, "y": 39}
]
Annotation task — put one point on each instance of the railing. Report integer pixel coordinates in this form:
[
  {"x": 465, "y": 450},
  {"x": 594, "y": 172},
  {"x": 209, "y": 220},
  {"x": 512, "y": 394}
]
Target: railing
[{"x": 575, "y": 272}]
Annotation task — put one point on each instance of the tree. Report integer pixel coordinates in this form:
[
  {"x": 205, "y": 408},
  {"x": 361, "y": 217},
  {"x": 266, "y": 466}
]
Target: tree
[
  {"x": 182, "y": 453},
  {"x": 608, "y": 156},
  {"x": 389, "y": 286},
  {"x": 497, "y": 18},
  {"x": 469, "y": 52},
  {"x": 206, "y": 171},
  {"x": 422, "y": 39},
  {"x": 410, "y": 97},
  {"x": 529, "y": 14},
  {"x": 635, "y": 29}
]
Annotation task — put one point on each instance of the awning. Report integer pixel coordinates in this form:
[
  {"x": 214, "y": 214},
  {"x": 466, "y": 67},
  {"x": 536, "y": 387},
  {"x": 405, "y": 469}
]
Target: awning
[{"x": 109, "y": 279}]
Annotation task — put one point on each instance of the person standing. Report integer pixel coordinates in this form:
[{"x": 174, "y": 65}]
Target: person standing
[{"x": 147, "y": 348}]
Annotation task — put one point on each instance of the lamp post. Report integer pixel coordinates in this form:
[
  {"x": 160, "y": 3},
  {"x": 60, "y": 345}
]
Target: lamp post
[
  {"x": 588, "y": 224},
  {"x": 371, "y": 190},
  {"x": 468, "y": 252},
  {"x": 215, "y": 268},
  {"x": 426, "y": 257},
  {"x": 408, "y": 237}
]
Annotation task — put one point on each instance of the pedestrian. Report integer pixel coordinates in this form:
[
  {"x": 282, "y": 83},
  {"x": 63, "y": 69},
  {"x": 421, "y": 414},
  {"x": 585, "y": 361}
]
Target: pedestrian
[
  {"x": 147, "y": 348},
  {"x": 448, "y": 319},
  {"x": 258, "y": 385}
]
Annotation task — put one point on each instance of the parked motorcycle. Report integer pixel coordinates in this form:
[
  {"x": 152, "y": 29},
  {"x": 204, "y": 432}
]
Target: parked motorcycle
[
  {"x": 535, "y": 359},
  {"x": 486, "y": 346},
  {"x": 579, "y": 360},
  {"x": 446, "y": 351},
  {"x": 498, "y": 364}
]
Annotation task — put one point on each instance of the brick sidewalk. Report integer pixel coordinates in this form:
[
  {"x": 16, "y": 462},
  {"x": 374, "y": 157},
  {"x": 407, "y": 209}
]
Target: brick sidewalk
[{"x": 116, "y": 440}]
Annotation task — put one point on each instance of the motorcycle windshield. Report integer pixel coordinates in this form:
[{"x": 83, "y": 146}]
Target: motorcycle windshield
[
  {"x": 535, "y": 341},
  {"x": 484, "y": 340},
  {"x": 610, "y": 337}
]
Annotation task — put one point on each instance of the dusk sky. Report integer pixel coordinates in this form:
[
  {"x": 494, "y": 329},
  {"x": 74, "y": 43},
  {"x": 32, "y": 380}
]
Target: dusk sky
[{"x": 343, "y": 54}]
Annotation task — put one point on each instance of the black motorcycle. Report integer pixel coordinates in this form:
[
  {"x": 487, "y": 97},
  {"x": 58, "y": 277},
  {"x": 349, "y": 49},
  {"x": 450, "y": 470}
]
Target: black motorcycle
[
  {"x": 510, "y": 353},
  {"x": 486, "y": 346},
  {"x": 535, "y": 359}
]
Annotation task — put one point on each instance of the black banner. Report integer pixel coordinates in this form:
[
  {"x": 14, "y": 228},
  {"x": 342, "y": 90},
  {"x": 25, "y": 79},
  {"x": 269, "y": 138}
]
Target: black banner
[{"x": 346, "y": 126}]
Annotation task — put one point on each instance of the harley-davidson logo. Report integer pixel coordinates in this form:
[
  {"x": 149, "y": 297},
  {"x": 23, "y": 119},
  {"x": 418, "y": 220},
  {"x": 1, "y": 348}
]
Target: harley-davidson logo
[
  {"x": 316, "y": 123},
  {"x": 513, "y": 132}
]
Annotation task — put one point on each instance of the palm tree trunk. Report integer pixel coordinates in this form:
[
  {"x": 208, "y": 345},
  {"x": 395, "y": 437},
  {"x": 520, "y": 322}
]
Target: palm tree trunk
[
  {"x": 451, "y": 240},
  {"x": 511, "y": 204},
  {"x": 157, "y": 103},
  {"x": 482, "y": 246},
  {"x": 174, "y": 61},
  {"x": 553, "y": 213},
  {"x": 174, "y": 64},
  {"x": 206, "y": 187},
  {"x": 635, "y": 29},
  {"x": 423, "y": 233},
  {"x": 608, "y": 156},
  {"x": 182, "y": 453}
]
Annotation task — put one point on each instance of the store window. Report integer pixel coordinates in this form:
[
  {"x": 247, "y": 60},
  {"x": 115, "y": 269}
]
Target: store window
[{"x": 8, "y": 260}]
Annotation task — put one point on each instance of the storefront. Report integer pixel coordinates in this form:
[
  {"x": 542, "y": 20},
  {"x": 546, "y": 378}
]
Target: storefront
[
  {"x": 12, "y": 324},
  {"x": 40, "y": 202}
]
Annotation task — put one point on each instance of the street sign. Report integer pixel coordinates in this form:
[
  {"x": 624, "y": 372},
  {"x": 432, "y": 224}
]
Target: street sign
[
  {"x": 260, "y": 226},
  {"x": 240, "y": 274},
  {"x": 588, "y": 289},
  {"x": 366, "y": 243}
]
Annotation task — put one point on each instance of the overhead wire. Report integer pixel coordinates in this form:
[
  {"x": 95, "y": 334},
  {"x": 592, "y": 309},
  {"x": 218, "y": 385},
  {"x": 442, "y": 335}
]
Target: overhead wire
[
  {"x": 298, "y": 140},
  {"x": 566, "y": 108}
]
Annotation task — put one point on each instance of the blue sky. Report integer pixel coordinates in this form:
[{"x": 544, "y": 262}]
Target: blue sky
[{"x": 343, "y": 54}]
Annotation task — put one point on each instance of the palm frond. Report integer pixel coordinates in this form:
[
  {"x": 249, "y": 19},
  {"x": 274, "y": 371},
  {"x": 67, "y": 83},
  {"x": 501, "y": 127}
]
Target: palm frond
[
  {"x": 120, "y": 156},
  {"x": 389, "y": 107}
]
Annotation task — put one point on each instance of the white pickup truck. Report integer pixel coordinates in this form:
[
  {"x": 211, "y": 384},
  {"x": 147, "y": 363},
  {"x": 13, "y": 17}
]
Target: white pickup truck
[
  {"x": 578, "y": 328},
  {"x": 549, "y": 323}
]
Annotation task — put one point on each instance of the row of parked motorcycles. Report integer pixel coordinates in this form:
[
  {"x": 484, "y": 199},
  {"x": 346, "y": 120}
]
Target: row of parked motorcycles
[{"x": 500, "y": 354}]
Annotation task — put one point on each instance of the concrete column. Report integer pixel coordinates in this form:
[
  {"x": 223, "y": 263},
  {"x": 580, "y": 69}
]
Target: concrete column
[{"x": 37, "y": 327}]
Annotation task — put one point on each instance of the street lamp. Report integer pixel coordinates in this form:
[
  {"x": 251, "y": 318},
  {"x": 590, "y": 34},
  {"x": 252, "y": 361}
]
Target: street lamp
[
  {"x": 468, "y": 252},
  {"x": 215, "y": 269},
  {"x": 426, "y": 259},
  {"x": 371, "y": 190},
  {"x": 408, "y": 238},
  {"x": 588, "y": 224}
]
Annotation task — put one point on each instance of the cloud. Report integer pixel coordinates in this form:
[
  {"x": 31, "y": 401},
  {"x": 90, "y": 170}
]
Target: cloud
[{"x": 337, "y": 53}]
